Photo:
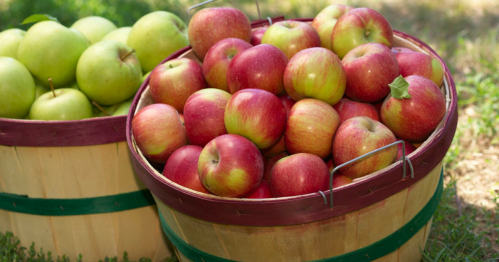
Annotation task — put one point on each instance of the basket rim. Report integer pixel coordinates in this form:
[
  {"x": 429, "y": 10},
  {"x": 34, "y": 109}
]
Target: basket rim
[{"x": 304, "y": 208}]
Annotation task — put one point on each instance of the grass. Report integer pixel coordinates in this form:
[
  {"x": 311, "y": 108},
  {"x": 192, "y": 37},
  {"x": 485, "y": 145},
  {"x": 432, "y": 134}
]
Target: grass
[{"x": 463, "y": 32}]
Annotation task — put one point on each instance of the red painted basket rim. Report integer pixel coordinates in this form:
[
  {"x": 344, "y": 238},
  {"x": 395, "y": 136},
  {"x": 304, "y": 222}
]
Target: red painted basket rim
[{"x": 305, "y": 208}]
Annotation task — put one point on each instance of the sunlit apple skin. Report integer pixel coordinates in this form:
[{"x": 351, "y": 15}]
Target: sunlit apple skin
[
  {"x": 270, "y": 163},
  {"x": 260, "y": 67},
  {"x": 413, "y": 119},
  {"x": 291, "y": 37},
  {"x": 175, "y": 81},
  {"x": 230, "y": 166},
  {"x": 263, "y": 191},
  {"x": 298, "y": 174},
  {"x": 347, "y": 109},
  {"x": 204, "y": 115},
  {"x": 210, "y": 25},
  {"x": 257, "y": 35},
  {"x": 257, "y": 115},
  {"x": 158, "y": 132},
  {"x": 324, "y": 22},
  {"x": 358, "y": 136},
  {"x": 369, "y": 68},
  {"x": 360, "y": 26},
  {"x": 409, "y": 148},
  {"x": 415, "y": 63},
  {"x": 280, "y": 147},
  {"x": 341, "y": 180},
  {"x": 217, "y": 60},
  {"x": 311, "y": 127},
  {"x": 315, "y": 73},
  {"x": 182, "y": 168}
]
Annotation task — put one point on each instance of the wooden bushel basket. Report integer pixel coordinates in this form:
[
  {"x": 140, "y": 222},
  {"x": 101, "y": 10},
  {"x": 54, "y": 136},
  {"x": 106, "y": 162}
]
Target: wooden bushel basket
[
  {"x": 69, "y": 186},
  {"x": 383, "y": 216}
]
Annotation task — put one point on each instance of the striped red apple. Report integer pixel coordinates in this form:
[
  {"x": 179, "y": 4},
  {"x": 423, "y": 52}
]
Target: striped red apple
[{"x": 291, "y": 37}]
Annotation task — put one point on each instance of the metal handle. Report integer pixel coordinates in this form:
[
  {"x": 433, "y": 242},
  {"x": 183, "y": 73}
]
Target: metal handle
[
  {"x": 209, "y": 1},
  {"x": 403, "y": 158}
]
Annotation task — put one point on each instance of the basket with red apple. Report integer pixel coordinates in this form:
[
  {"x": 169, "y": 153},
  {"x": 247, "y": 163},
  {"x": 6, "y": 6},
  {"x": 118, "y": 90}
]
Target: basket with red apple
[{"x": 272, "y": 162}]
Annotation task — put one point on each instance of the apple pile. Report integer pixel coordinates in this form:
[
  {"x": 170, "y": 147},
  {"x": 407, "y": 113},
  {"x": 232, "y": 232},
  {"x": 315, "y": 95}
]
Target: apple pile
[
  {"x": 270, "y": 113},
  {"x": 91, "y": 69}
]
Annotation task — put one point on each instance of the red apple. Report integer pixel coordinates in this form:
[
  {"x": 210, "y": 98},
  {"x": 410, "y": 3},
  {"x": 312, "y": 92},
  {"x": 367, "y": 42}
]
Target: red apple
[
  {"x": 257, "y": 35},
  {"x": 324, "y": 22},
  {"x": 230, "y": 166},
  {"x": 280, "y": 147},
  {"x": 413, "y": 119},
  {"x": 369, "y": 68},
  {"x": 182, "y": 119},
  {"x": 360, "y": 26},
  {"x": 311, "y": 127},
  {"x": 257, "y": 115},
  {"x": 217, "y": 61},
  {"x": 210, "y": 25},
  {"x": 347, "y": 109},
  {"x": 174, "y": 81},
  {"x": 330, "y": 164},
  {"x": 260, "y": 67},
  {"x": 291, "y": 37},
  {"x": 415, "y": 63},
  {"x": 270, "y": 163},
  {"x": 298, "y": 174},
  {"x": 204, "y": 115},
  {"x": 263, "y": 191},
  {"x": 358, "y": 136},
  {"x": 341, "y": 180},
  {"x": 409, "y": 148},
  {"x": 158, "y": 132},
  {"x": 315, "y": 73},
  {"x": 182, "y": 168}
]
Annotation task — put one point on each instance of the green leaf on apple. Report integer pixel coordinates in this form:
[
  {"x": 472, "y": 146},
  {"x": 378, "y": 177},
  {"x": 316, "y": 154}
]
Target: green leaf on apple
[
  {"x": 38, "y": 18},
  {"x": 400, "y": 88}
]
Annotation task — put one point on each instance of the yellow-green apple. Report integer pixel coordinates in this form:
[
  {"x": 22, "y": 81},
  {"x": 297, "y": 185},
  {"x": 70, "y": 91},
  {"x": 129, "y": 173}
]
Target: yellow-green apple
[
  {"x": 360, "y": 26},
  {"x": 123, "y": 108},
  {"x": 280, "y": 147},
  {"x": 211, "y": 25},
  {"x": 158, "y": 132},
  {"x": 204, "y": 115},
  {"x": 263, "y": 191},
  {"x": 67, "y": 104},
  {"x": 108, "y": 72},
  {"x": 217, "y": 61},
  {"x": 315, "y": 73},
  {"x": 370, "y": 68},
  {"x": 270, "y": 163},
  {"x": 260, "y": 67},
  {"x": 182, "y": 168},
  {"x": 311, "y": 127},
  {"x": 50, "y": 50},
  {"x": 230, "y": 166},
  {"x": 40, "y": 90},
  {"x": 298, "y": 174},
  {"x": 347, "y": 109},
  {"x": 414, "y": 108},
  {"x": 340, "y": 180},
  {"x": 9, "y": 42},
  {"x": 17, "y": 88},
  {"x": 415, "y": 63},
  {"x": 144, "y": 77},
  {"x": 291, "y": 37},
  {"x": 358, "y": 136},
  {"x": 120, "y": 35},
  {"x": 155, "y": 36},
  {"x": 257, "y": 35},
  {"x": 324, "y": 22},
  {"x": 174, "y": 81},
  {"x": 94, "y": 28},
  {"x": 409, "y": 148},
  {"x": 257, "y": 115}
]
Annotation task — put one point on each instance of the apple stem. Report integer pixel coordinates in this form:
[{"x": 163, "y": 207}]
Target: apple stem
[
  {"x": 100, "y": 108},
  {"x": 127, "y": 54},
  {"x": 214, "y": 161},
  {"x": 51, "y": 86}
]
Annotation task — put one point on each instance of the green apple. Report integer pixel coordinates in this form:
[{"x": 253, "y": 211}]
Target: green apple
[
  {"x": 120, "y": 34},
  {"x": 68, "y": 104},
  {"x": 109, "y": 73},
  {"x": 123, "y": 108},
  {"x": 155, "y": 36},
  {"x": 17, "y": 88},
  {"x": 40, "y": 90},
  {"x": 94, "y": 28},
  {"x": 50, "y": 50},
  {"x": 9, "y": 42},
  {"x": 144, "y": 77}
]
